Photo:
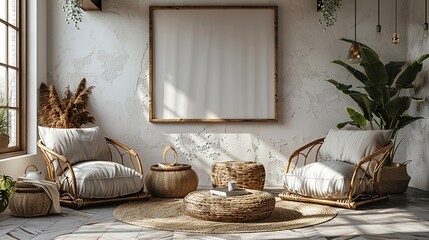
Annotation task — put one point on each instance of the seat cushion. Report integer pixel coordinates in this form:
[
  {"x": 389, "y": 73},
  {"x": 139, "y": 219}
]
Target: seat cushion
[
  {"x": 103, "y": 179},
  {"x": 352, "y": 145},
  {"x": 326, "y": 179}
]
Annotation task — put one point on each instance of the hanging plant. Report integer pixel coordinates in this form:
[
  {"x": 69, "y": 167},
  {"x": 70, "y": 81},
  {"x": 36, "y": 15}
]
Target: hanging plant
[
  {"x": 73, "y": 10},
  {"x": 328, "y": 12}
]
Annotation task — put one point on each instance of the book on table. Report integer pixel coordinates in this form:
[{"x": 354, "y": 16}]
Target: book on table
[{"x": 224, "y": 192}]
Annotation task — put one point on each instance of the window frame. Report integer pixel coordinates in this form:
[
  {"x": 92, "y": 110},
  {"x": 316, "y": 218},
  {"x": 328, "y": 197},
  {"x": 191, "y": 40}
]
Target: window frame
[{"x": 21, "y": 80}]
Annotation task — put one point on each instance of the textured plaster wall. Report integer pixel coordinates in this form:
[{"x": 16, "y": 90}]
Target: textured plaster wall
[
  {"x": 111, "y": 51},
  {"x": 417, "y": 135}
]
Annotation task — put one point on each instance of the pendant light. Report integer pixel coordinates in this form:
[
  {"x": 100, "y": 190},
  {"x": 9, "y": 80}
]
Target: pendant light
[
  {"x": 378, "y": 28},
  {"x": 395, "y": 38},
  {"x": 355, "y": 52},
  {"x": 425, "y": 25}
]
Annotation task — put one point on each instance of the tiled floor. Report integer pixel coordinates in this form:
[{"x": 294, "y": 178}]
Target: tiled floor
[{"x": 404, "y": 216}]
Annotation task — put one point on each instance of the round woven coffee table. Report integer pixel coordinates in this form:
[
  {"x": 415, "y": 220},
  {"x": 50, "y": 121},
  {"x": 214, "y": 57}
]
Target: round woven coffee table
[{"x": 203, "y": 205}]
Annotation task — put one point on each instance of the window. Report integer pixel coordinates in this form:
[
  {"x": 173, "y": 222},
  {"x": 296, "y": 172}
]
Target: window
[{"x": 12, "y": 77}]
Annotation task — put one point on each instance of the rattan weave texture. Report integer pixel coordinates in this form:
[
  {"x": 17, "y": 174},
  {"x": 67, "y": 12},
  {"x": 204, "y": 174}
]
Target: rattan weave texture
[
  {"x": 244, "y": 208},
  {"x": 29, "y": 201},
  {"x": 250, "y": 175}
]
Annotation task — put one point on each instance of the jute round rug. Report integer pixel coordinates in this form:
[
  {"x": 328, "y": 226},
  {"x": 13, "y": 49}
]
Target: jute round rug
[{"x": 167, "y": 214}]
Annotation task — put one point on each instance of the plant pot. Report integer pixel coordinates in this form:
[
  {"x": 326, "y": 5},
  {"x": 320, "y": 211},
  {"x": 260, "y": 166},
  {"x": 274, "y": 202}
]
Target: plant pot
[
  {"x": 393, "y": 179},
  {"x": 4, "y": 141}
]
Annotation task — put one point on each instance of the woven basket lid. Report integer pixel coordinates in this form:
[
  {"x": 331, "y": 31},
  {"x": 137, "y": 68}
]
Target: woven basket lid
[
  {"x": 177, "y": 167},
  {"x": 26, "y": 187}
]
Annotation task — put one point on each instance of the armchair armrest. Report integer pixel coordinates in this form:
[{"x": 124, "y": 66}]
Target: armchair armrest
[
  {"x": 124, "y": 150},
  {"x": 50, "y": 157},
  {"x": 383, "y": 153},
  {"x": 305, "y": 152}
]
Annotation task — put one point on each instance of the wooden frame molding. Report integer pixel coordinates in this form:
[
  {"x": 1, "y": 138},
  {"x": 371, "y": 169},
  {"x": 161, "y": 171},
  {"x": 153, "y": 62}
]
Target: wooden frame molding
[{"x": 160, "y": 112}]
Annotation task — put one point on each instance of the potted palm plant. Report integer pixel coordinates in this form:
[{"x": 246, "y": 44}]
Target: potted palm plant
[{"x": 383, "y": 102}]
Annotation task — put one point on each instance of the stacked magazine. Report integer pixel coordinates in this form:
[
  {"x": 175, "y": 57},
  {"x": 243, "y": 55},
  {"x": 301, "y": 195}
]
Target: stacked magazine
[{"x": 226, "y": 193}]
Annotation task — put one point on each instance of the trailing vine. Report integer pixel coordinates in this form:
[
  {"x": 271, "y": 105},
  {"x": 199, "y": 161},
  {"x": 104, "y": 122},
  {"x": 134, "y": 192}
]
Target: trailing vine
[
  {"x": 73, "y": 11},
  {"x": 328, "y": 12}
]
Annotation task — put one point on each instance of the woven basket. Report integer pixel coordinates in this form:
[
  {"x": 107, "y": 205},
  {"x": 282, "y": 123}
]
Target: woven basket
[
  {"x": 244, "y": 208},
  {"x": 174, "y": 181},
  {"x": 393, "y": 179},
  {"x": 250, "y": 175},
  {"x": 29, "y": 201},
  {"x": 4, "y": 141}
]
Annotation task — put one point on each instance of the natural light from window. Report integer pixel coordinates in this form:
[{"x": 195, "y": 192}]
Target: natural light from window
[{"x": 11, "y": 76}]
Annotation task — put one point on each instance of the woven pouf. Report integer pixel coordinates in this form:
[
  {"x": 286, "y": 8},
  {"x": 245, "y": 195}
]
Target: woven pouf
[
  {"x": 203, "y": 205},
  {"x": 249, "y": 175},
  {"x": 29, "y": 201}
]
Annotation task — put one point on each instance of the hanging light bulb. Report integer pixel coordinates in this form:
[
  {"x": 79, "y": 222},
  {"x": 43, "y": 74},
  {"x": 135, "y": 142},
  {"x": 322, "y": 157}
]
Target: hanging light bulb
[
  {"x": 395, "y": 37},
  {"x": 378, "y": 28},
  {"x": 425, "y": 25},
  {"x": 354, "y": 54}
]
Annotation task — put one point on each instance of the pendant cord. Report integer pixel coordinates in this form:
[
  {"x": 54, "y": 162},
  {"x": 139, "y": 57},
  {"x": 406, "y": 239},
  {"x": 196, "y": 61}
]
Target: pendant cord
[
  {"x": 355, "y": 21},
  {"x": 379, "y": 12},
  {"x": 426, "y": 11},
  {"x": 396, "y": 15}
]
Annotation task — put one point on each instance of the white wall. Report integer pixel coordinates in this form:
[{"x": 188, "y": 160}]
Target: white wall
[
  {"x": 111, "y": 50},
  {"x": 417, "y": 136}
]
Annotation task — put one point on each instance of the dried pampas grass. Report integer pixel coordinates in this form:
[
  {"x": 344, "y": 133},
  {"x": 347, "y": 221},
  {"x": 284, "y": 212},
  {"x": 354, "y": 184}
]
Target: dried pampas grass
[{"x": 68, "y": 112}]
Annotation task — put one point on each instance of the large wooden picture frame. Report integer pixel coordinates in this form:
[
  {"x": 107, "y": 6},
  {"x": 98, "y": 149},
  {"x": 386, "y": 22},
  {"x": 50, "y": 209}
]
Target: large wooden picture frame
[{"x": 213, "y": 64}]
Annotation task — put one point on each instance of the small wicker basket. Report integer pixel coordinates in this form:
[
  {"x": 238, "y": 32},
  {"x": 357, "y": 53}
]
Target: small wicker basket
[
  {"x": 29, "y": 201},
  {"x": 393, "y": 179},
  {"x": 250, "y": 175}
]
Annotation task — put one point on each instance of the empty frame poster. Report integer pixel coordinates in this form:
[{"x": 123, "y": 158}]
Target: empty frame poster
[{"x": 213, "y": 64}]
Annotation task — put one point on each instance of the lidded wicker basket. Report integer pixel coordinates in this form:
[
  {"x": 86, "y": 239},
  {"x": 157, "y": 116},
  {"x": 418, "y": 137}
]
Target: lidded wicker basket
[
  {"x": 29, "y": 201},
  {"x": 250, "y": 175},
  {"x": 171, "y": 179}
]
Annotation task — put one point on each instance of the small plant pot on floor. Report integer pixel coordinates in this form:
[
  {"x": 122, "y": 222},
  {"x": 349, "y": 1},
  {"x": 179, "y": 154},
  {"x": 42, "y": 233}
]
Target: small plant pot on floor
[{"x": 393, "y": 179}]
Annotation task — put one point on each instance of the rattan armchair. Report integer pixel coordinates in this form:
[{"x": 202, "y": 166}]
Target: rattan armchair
[
  {"x": 57, "y": 165},
  {"x": 362, "y": 186}
]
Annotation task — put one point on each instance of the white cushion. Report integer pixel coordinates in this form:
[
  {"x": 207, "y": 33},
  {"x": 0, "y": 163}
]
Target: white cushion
[
  {"x": 352, "y": 145},
  {"x": 327, "y": 179},
  {"x": 76, "y": 144},
  {"x": 103, "y": 179}
]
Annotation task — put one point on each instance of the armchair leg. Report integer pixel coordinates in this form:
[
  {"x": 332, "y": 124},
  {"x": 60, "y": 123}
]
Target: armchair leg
[
  {"x": 344, "y": 203},
  {"x": 85, "y": 202}
]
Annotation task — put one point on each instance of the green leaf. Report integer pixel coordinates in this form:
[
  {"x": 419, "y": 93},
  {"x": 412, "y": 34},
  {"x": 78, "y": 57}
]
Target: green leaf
[
  {"x": 393, "y": 69},
  {"x": 356, "y": 73},
  {"x": 4, "y": 199},
  {"x": 339, "y": 86},
  {"x": 353, "y": 41},
  {"x": 404, "y": 120},
  {"x": 357, "y": 117},
  {"x": 418, "y": 99},
  {"x": 374, "y": 68},
  {"x": 408, "y": 76},
  {"x": 422, "y": 58},
  {"x": 395, "y": 108},
  {"x": 341, "y": 125},
  {"x": 374, "y": 93},
  {"x": 366, "y": 105}
]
